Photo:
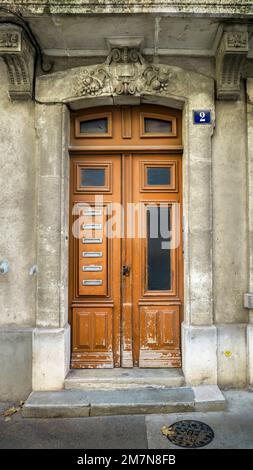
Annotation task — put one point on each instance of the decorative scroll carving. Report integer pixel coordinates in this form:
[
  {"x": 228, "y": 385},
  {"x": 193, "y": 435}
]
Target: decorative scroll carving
[
  {"x": 125, "y": 55},
  {"x": 18, "y": 55},
  {"x": 125, "y": 72},
  {"x": 230, "y": 58},
  {"x": 126, "y": 86}
]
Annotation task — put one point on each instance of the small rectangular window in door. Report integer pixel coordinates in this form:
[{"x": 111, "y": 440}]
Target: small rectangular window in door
[
  {"x": 94, "y": 126},
  {"x": 159, "y": 176},
  {"x": 157, "y": 125},
  {"x": 158, "y": 253},
  {"x": 93, "y": 177}
]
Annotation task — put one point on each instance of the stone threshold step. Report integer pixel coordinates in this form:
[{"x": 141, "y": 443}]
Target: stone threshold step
[
  {"x": 78, "y": 403},
  {"x": 119, "y": 378}
]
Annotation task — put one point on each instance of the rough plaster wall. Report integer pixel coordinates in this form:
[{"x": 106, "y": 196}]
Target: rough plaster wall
[
  {"x": 230, "y": 212},
  {"x": 17, "y": 208}
]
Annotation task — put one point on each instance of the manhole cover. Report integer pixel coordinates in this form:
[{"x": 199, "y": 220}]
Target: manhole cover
[{"x": 190, "y": 433}]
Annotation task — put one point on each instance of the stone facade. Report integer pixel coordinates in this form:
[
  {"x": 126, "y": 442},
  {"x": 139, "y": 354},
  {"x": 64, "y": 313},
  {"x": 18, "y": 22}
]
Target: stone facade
[{"x": 217, "y": 165}]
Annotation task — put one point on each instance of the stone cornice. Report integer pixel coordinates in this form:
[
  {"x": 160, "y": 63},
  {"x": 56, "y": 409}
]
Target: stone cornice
[{"x": 229, "y": 8}]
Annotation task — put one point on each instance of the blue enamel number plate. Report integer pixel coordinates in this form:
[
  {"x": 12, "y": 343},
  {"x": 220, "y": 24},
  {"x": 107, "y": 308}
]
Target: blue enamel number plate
[{"x": 202, "y": 117}]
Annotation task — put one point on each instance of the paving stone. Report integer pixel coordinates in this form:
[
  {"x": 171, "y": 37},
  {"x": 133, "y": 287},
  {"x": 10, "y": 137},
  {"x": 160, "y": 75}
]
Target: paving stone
[
  {"x": 101, "y": 432},
  {"x": 141, "y": 401},
  {"x": 4, "y": 405},
  {"x": 209, "y": 398},
  {"x": 65, "y": 403},
  {"x": 78, "y": 403}
]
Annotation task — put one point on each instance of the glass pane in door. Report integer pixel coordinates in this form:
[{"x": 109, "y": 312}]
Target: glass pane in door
[{"x": 158, "y": 252}]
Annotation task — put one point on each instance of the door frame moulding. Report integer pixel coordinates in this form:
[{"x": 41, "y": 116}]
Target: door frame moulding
[{"x": 168, "y": 86}]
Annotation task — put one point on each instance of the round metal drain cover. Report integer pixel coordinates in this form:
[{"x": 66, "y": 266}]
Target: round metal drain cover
[{"x": 190, "y": 433}]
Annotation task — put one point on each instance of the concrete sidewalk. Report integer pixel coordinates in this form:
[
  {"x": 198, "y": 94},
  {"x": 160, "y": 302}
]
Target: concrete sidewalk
[{"x": 233, "y": 429}]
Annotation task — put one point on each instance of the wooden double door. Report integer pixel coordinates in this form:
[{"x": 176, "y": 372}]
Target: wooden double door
[{"x": 126, "y": 278}]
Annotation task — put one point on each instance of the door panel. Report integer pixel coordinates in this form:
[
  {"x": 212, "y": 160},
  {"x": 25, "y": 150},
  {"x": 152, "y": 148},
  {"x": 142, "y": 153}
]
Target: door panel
[
  {"x": 93, "y": 254},
  {"x": 95, "y": 262},
  {"x": 126, "y": 287},
  {"x": 92, "y": 337},
  {"x": 159, "y": 339},
  {"x": 157, "y": 269}
]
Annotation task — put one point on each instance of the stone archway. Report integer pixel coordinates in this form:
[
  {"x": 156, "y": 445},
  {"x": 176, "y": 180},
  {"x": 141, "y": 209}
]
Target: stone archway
[{"x": 125, "y": 78}]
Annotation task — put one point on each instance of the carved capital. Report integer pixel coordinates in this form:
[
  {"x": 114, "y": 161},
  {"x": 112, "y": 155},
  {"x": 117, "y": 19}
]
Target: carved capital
[
  {"x": 125, "y": 55},
  {"x": 18, "y": 54},
  {"x": 230, "y": 58}
]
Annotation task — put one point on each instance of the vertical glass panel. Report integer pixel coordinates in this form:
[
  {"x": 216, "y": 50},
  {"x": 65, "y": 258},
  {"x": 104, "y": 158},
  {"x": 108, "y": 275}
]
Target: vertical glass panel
[
  {"x": 94, "y": 126},
  {"x": 158, "y": 175},
  {"x": 158, "y": 253},
  {"x": 157, "y": 126},
  {"x": 92, "y": 177}
]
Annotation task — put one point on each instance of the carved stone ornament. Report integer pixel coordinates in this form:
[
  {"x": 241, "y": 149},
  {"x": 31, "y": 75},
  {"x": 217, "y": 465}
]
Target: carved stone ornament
[
  {"x": 125, "y": 55},
  {"x": 18, "y": 54},
  {"x": 10, "y": 41},
  {"x": 93, "y": 82},
  {"x": 230, "y": 58},
  {"x": 157, "y": 79},
  {"x": 125, "y": 72}
]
